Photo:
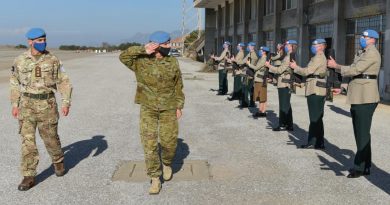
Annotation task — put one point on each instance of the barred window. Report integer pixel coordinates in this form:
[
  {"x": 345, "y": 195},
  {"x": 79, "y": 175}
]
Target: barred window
[
  {"x": 231, "y": 14},
  {"x": 269, "y": 7},
  {"x": 289, "y": 4},
  {"x": 289, "y": 34},
  {"x": 356, "y": 26},
  {"x": 269, "y": 37},
  {"x": 321, "y": 31},
  {"x": 252, "y": 37},
  {"x": 253, "y": 9}
]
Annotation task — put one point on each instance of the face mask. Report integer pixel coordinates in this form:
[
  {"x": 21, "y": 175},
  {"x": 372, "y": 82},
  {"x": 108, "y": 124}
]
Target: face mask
[
  {"x": 247, "y": 49},
  {"x": 286, "y": 49},
  {"x": 260, "y": 54},
  {"x": 313, "y": 50},
  {"x": 40, "y": 46},
  {"x": 363, "y": 43},
  {"x": 164, "y": 51},
  {"x": 238, "y": 49}
]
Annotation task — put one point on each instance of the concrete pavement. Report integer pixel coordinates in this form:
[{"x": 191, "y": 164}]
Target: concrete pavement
[{"x": 250, "y": 164}]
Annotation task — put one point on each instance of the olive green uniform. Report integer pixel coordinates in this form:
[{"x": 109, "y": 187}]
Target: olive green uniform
[
  {"x": 315, "y": 94},
  {"x": 237, "y": 86},
  {"x": 363, "y": 95},
  {"x": 247, "y": 81},
  {"x": 222, "y": 72},
  {"x": 160, "y": 94},
  {"x": 33, "y": 81},
  {"x": 285, "y": 110}
]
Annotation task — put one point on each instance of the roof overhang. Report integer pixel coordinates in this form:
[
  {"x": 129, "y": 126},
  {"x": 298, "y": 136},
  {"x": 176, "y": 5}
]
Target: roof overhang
[{"x": 212, "y": 4}]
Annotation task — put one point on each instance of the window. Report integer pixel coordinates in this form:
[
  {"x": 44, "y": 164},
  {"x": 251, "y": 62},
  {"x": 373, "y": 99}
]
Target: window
[
  {"x": 321, "y": 31},
  {"x": 231, "y": 14},
  {"x": 253, "y": 9},
  {"x": 269, "y": 37},
  {"x": 223, "y": 16},
  {"x": 316, "y": 1},
  {"x": 289, "y": 34},
  {"x": 239, "y": 39},
  {"x": 289, "y": 4},
  {"x": 241, "y": 8},
  {"x": 269, "y": 7},
  {"x": 252, "y": 37},
  {"x": 354, "y": 29}
]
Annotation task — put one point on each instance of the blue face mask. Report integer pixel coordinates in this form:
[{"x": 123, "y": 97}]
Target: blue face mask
[
  {"x": 363, "y": 43},
  {"x": 313, "y": 50},
  {"x": 40, "y": 46},
  {"x": 247, "y": 49},
  {"x": 286, "y": 49},
  {"x": 260, "y": 54}
]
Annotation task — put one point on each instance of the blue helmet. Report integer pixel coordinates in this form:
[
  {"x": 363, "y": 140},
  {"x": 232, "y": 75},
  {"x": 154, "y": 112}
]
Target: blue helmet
[
  {"x": 319, "y": 41},
  {"x": 264, "y": 48},
  {"x": 35, "y": 33},
  {"x": 370, "y": 33},
  {"x": 251, "y": 44},
  {"x": 159, "y": 37},
  {"x": 292, "y": 42}
]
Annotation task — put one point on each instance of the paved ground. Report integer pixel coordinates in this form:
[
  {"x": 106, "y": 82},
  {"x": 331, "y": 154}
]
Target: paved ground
[{"x": 250, "y": 164}]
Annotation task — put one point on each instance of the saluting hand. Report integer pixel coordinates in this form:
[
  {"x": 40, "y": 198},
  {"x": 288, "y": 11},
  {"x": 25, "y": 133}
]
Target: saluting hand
[{"x": 151, "y": 47}]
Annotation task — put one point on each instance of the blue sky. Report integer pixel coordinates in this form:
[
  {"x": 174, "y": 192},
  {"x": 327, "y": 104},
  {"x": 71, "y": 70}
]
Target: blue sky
[{"x": 89, "y": 22}]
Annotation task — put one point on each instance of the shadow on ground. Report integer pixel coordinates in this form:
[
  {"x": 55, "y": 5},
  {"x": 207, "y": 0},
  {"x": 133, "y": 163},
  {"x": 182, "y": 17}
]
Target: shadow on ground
[
  {"x": 182, "y": 152},
  {"x": 344, "y": 158},
  {"x": 339, "y": 110},
  {"x": 75, "y": 153}
]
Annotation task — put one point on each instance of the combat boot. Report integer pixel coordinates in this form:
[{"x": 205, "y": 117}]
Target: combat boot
[
  {"x": 27, "y": 183},
  {"x": 59, "y": 169},
  {"x": 167, "y": 173},
  {"x": 155, "y": 186}
]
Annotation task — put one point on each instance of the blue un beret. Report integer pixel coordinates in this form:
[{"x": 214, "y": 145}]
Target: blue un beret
[
  {"x": 241, "y": 44},
  {"x": 370, "y": 33},
  {"x": 319, "y": 41},
  {"x": 227, "y": 43},
  {"x": 251, "y": 44},
  {"x": 159, "y": 37},
  {"x": 291, "y": 42},
  {"x": 264, "y": 48},
  {"x": 35, "y": 33}
]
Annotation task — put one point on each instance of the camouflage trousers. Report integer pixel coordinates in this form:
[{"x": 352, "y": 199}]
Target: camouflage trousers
[
  {"x": 155, "y": 125},
  {"x": 41, "y": 114}
]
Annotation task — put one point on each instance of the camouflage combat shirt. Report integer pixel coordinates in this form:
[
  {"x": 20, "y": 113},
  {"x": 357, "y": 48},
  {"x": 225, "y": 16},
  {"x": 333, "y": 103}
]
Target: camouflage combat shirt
[
  {"x": 41, "y": 74},
  {"x": 159, "y": 81}
]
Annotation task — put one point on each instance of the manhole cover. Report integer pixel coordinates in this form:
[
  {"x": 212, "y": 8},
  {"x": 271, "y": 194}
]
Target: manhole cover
[{"x": 135, "y": 171}]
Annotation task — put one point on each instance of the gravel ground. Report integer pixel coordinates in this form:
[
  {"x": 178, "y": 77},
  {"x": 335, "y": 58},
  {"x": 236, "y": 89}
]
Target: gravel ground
[{"x": 250, "y": 164}]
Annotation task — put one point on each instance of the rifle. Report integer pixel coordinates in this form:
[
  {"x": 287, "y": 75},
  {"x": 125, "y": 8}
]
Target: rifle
[
  {"x": 295, "y": 78},
  {"x": 333, "y": 79},
  {"x": 266, "y": 72},
  {"x": 225, "y": 63},
  {"x": 249, "y": 71}
]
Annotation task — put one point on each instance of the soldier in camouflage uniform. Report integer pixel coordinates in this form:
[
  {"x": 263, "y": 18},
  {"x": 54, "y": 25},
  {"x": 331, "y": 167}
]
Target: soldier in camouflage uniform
[
  {"x": 36, "y": 75},
  {"x": 159, "y": 92}
]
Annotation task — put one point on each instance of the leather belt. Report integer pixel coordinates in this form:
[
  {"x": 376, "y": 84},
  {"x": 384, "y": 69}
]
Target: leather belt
[
  {"x": 315, "y": 76},
  {"x": 43, "y": 96},
  {"x": 364, "y": 76}
]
